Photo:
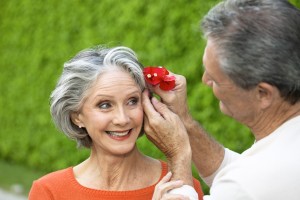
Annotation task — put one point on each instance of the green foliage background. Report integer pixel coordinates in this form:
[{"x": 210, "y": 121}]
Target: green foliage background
[{"x": 37, "y": 37}]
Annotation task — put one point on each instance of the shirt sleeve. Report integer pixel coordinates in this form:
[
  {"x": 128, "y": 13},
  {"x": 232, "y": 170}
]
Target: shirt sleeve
[
  {"x": 38, "y": 192},
  {"x": 229, "y": 157},
  {"x": 228, "y": 190},
  {"x": 186, "y": 190}
]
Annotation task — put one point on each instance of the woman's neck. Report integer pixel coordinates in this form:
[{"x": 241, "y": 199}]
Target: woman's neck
[{"x": 111, "y": 172}]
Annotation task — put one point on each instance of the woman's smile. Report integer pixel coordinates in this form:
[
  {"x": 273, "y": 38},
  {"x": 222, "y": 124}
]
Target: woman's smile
[{"x": 119, "y": 135}]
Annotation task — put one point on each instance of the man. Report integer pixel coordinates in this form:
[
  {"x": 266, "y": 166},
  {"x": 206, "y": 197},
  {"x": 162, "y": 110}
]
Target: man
[{"x": 252, "y": 64}]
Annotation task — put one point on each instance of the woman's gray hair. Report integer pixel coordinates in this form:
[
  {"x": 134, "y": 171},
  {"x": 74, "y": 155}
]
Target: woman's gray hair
[
  {"x": 78, "y": 75},
  {"x": 258, "y": 41}
]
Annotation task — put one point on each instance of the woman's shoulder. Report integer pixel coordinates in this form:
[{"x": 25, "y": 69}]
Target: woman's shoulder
[
  {"x": 56, "y": 176},
  {"x": 50, "y": 184}
]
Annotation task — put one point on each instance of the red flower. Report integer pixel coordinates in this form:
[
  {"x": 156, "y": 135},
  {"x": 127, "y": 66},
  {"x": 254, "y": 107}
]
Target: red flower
[
  {"x": 159, "y": 75},
  {"x": 168, "y": 83},
  {"x": 154, "y": 75}
]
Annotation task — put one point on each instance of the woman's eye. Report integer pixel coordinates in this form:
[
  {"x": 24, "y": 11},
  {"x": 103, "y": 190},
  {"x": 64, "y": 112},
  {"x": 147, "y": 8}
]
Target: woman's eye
[
  {"x": 133, "y": 101},
  {"x": 104, "y": 105}
]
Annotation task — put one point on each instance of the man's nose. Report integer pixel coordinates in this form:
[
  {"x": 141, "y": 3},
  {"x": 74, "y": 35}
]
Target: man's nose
[{"x": 206, "y": 80}]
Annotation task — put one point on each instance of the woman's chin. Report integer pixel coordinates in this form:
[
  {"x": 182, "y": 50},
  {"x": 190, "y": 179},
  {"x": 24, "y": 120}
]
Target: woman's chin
[{"x": 125, "y": 150}]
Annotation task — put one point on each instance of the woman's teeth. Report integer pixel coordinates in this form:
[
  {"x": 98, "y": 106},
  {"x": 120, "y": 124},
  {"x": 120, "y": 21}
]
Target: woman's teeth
[{"x": 117, "y": 134}]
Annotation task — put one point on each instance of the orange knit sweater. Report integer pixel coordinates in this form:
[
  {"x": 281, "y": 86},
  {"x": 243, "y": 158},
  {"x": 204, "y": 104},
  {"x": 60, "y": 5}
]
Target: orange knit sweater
[{"x": 62, "y": 185}]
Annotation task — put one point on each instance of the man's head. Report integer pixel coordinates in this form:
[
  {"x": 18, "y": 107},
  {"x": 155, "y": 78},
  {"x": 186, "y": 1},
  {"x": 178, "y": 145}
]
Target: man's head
[{"x": 257, "y": 41}]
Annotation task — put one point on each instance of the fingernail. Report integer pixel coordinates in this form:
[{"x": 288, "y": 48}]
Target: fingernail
[
  {"x": 154, "y": 100},
  {"x": 179, "y": 182},
  {"x": 169, "y": 173}
]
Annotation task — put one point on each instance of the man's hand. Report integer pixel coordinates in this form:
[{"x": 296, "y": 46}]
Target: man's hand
[
  {"x": 207, "y": 153},
  {"x": 165, "y": 129},
  {"x": 175, "y": 99}
]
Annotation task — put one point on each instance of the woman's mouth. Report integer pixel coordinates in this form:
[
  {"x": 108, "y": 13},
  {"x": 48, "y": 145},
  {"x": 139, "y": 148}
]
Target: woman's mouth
[{"x": 119, "y": 134}]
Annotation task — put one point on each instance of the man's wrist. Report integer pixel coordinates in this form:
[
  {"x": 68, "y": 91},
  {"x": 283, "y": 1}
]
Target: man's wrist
[
  {"x": 189, "y": 122},
  {"x": 180, "y": 165}
]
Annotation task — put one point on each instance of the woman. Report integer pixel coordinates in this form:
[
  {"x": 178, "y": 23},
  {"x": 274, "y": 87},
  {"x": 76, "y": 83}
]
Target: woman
[{"x": 97, "y": 102}]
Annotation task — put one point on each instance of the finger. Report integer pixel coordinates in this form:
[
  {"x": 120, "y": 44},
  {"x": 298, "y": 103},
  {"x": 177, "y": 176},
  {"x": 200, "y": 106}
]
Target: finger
[
  {"x": 179, "y": 80},
  {"x": 146, "y": 124},
  {"x": 149, "y": 131},
  {"x": 161, "y": 108},
  {"x": 170, "y": 185},
  {"x": 147, "y": 93},
  {"x": 168, "y": 196},
  {"x": 177, "y": 93},
  {"x": 149, "y": 110},
  {"x": 158, "y": 193},
  {"x": 162, "y": 189},
  {"x": 165, "y": 179}
]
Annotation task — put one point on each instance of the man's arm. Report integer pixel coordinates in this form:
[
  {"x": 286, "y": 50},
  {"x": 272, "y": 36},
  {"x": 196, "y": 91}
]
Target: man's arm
[{"x": 207, "y": 154}]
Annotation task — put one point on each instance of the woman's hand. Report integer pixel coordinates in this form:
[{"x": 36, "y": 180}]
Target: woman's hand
[{"x": 163, "y": 187}]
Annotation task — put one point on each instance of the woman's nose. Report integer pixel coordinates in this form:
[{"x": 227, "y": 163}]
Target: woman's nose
[{"x": 121, "y": 117}]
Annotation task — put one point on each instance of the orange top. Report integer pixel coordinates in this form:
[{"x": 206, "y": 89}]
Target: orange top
[{"x": 62, "y": 185}]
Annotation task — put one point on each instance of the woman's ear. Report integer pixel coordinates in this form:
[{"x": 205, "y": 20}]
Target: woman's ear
[
  {"x": 266, "y": 94},
  {"x": 75, "y": 119}
]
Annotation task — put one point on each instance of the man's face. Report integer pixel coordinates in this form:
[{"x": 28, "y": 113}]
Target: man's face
[{"x": 234, "y": 101}]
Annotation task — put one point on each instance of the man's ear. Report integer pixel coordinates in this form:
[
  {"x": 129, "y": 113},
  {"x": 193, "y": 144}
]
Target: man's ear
[
  {"x": 76, "y": 119},
  {"x": 266, "y": 94}
]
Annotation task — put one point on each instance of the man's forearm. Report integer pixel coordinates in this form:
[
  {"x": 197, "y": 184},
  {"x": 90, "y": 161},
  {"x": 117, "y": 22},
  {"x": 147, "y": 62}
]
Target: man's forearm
[
  {"x": 181, "y": 167},
  {"x": 207, "y": 153}
]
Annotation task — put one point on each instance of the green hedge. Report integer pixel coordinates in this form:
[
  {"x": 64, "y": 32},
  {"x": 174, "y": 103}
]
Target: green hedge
[{"x": 37, "y": 37}]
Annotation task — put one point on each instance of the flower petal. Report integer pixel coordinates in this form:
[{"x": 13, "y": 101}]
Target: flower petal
[
  {"x": 154, "y": 75},
  {"x": 159, "y": 75},
  {"x": 168, "y": 83}
]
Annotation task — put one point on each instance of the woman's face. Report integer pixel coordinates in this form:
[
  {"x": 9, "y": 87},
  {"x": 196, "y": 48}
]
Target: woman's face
[{"x": 112, "y": 112}]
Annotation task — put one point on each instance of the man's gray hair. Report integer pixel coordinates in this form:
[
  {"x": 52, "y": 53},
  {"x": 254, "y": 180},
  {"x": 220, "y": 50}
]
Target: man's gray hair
[
  {"x": 258, "y": 41},
  {"x": 78, "y": 75}
]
